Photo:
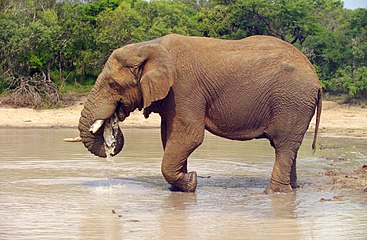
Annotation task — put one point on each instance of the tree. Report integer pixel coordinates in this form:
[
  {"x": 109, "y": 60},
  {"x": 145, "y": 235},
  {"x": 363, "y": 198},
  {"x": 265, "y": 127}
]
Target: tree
[
  {"x": 119, "y": 27},
  {"x": 164, "y": 17},
  {"x": 68, "y": 41}
]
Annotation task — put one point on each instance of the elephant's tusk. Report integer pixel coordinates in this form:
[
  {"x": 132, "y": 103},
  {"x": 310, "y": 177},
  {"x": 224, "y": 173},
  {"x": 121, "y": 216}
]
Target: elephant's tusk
[
  {"x": 96, "y": 126},
  {"x": 75, "y": 139}
]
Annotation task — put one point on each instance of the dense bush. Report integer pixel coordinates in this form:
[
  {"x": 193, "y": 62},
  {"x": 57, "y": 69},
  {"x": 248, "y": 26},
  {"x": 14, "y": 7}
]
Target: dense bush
[{"x": 68, "y": 41}]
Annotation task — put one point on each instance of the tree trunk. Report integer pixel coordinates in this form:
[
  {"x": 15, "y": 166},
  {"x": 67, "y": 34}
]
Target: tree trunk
[
  {"x": 61, "y": 78},
  {"x": 48, "y": 72}
]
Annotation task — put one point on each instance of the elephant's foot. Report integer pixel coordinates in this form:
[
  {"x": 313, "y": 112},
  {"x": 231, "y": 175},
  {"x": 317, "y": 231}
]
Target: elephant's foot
[
  {"x": 276, "y": 186},
  {"x": 187, "y": 183},
  {"x": 295, "y": 185}
]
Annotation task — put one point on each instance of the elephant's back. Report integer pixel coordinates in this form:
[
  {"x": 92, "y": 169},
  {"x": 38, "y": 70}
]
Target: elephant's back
[
  {"x": 252, "y": 62},
  {"x": 254, "y": 51},
  {"x": 281, "y": 57}
]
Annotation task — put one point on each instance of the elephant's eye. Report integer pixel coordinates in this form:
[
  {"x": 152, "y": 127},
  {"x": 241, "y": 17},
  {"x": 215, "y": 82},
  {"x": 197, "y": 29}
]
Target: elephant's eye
[{"x": 115, "y": 86}]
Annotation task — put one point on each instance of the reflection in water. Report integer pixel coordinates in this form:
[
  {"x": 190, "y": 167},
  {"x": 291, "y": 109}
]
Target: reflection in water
[
  {"x": 285, "y": 220},
  {"x": 55, "y": 190},
  {"x": 175, "y": 216}
]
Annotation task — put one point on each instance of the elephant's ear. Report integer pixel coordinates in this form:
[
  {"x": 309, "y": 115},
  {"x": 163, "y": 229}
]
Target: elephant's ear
[{"x": 155, "y": 69}]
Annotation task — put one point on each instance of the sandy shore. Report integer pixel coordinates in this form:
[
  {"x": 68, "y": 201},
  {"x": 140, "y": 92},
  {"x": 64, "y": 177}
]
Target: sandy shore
[
  {"x": 67, "y": 117},
  {"x": 336, "y": 120}
]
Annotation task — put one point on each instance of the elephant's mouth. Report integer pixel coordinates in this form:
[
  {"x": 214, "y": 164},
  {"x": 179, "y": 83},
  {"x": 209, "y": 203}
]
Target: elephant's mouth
[
  {"x": 112, "y": 135},
  {"x": 113, "y": 138}
]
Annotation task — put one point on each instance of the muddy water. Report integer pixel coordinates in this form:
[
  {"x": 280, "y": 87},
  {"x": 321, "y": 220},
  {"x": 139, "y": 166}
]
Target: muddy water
[{"x": 50, "y": 189}]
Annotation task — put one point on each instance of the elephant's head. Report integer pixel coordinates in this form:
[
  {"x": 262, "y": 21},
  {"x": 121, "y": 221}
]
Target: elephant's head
[{"x": 134, "y": 76}]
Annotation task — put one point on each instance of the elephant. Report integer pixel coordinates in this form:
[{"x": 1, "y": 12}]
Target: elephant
[{"x": 256, "y": 87}]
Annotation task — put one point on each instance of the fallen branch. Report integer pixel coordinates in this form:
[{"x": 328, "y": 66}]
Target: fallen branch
[{"x": 33, "y": 91}]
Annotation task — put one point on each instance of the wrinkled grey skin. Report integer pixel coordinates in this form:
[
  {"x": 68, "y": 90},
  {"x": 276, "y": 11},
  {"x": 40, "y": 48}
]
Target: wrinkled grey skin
[{"x": 258, "y": 87}]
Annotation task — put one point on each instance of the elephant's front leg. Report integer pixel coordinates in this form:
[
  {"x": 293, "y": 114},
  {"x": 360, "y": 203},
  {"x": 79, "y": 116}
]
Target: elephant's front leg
[
  {"x": 174, "y": 165},
  {"x": 164, "y": 138}
]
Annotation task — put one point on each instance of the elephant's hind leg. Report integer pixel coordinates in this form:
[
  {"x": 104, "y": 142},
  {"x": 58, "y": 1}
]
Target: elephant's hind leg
[
  {"x": 286, "y": 134},
  {"x": 294, "y": 183},
  {"x": 284, "y": 175},
  {"x": 281, "y": 176}
]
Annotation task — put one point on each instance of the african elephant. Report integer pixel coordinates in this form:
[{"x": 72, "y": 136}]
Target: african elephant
[{"x": 257, "y": 87}]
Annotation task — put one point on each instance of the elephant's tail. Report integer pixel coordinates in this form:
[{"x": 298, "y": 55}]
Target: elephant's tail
[{"x": 318, "y": 116}]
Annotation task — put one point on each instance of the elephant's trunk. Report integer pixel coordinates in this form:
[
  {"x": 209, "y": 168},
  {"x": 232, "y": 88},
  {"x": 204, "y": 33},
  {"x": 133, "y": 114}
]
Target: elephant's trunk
[{"x": 98, "y": 126}]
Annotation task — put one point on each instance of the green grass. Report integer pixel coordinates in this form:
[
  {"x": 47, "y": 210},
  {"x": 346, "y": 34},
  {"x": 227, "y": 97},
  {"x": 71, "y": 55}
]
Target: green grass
[
  {"x": 75, "y": 88},
  {"x": 345, "y": 99}
]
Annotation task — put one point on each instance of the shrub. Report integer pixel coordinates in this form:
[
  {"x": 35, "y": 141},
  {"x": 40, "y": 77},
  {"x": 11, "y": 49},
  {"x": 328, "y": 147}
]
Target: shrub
[{"x": 351, "y": 82}]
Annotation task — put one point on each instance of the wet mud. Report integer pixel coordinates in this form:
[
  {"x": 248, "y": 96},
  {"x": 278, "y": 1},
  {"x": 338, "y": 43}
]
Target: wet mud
[{"x": 346, "y": 166}]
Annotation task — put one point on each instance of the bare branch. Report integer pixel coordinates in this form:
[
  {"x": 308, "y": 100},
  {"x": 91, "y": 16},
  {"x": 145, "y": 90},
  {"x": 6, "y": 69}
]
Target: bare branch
[{"x": 33, "y": 91}]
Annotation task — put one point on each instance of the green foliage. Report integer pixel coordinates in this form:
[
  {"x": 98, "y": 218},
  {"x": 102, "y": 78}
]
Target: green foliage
[
  {"x": 351, "y": 82},
  {"x": 118, "y": 27},
  {"x": 213, "y": 22},
  {"x": 3, "y": 85},
  {"x": 68, "y": 41}
]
